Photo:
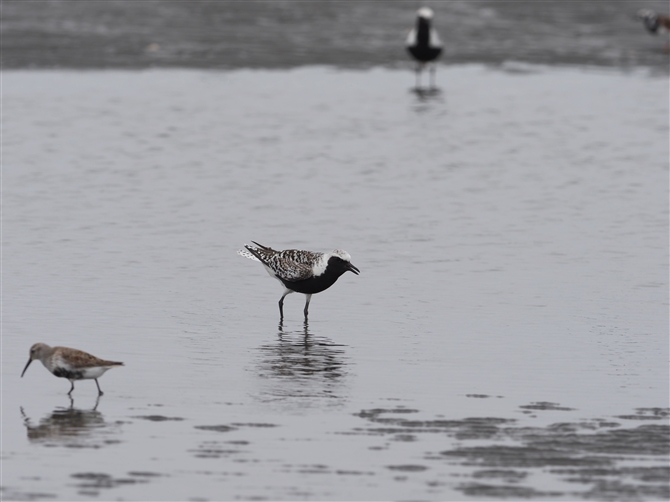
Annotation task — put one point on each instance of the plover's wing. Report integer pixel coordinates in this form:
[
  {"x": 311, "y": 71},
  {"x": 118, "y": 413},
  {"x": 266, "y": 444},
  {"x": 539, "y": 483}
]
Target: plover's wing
[
  {"x": 294, "y": 264},
  {"x": 288, "y": 265},
  {"x": 260, "y": 246},
  {"x": 258, "y": 253},
  {"x": 434, "y": 41},
  {"x": 411, "y": 38}
]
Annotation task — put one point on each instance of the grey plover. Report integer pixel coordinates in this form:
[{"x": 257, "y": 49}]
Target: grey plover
[
  {"x": 300, "y": 271},
  {"x": 69, "y": 363},
  {"x": 424, "y": 44}
]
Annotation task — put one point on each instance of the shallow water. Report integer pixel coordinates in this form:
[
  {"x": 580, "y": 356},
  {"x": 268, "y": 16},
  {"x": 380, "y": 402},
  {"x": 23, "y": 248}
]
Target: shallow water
[{"x": 507, "y": 336}]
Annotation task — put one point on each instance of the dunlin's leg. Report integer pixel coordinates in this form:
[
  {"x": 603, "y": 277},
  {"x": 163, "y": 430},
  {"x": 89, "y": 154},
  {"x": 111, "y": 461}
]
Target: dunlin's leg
[
  {"x": 71, "y": 388},
  {"x": 308, "y": 298},
  {"x": 432, "y": 76},
  {"x": 418, "y": 76},
  {"x": 100, "y": 393}
]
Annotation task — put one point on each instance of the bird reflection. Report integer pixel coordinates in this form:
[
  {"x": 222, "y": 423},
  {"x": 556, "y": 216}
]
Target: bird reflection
[
  {"x": 71, "y": 427},
  {"x": 426, "y": 94},
  {"x": 301, "y": 364}
]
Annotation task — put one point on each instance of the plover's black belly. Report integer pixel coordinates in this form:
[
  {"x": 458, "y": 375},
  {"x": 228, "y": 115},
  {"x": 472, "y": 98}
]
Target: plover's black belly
[
  {"x": 70, "y": 375},
  {"x": 313, "y": 284},
  {"x": 424, "y": 53}
]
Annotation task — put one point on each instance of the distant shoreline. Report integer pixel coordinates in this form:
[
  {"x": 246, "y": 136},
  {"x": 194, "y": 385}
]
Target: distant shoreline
[{"x": 284, "y": 34}]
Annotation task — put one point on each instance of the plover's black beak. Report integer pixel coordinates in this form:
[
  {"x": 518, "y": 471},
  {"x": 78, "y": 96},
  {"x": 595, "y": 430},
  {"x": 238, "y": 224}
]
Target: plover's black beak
[
  {"x": 353, "y": 269},
  {"x": 24, "y": 369}
]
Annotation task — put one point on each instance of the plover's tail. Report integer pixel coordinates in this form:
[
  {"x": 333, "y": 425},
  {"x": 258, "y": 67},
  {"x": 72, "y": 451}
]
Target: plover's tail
[{"x": 247, "y": 254}]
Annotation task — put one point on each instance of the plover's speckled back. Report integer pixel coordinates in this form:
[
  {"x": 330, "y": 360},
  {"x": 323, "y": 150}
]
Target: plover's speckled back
[
  {"x": 69, "y": 363},
  {"x": 424, "y": 45},
  {"x": 300, "y": 271}
]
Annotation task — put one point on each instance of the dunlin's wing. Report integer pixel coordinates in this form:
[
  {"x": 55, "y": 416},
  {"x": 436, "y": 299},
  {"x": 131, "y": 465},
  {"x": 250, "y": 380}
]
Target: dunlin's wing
[{"x": 78, "y": 359}]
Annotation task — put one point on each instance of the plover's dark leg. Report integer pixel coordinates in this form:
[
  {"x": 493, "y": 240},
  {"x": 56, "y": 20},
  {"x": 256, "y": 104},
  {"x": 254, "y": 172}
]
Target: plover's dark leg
[
  {"x": 432, "y": 76},
  {"x": 308, "y": 298},
  {"x": 418, "y": 76},
  {"x": 100, "y": 393},
  {"x": 71, "y": 388},
  {"x": 281, "y": 306}
]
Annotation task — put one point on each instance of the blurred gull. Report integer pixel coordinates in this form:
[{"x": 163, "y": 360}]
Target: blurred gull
[{"x": 424, "y": 45}]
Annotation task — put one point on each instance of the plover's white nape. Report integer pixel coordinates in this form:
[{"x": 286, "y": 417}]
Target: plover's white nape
[
  {"x": 424, "y": 45},
  {"x": 69, "y": 363},
  {"x": 300, "y": 271}
]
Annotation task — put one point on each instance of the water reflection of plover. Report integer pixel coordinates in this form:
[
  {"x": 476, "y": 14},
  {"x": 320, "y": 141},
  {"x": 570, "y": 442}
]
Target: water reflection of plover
[
  {"x": 69, "y": 363},
  {"x": 299, "y": 271},
  {"x": 424, "y": 44}
]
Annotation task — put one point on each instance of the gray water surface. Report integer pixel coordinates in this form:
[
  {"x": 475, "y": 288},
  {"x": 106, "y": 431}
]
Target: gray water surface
[{"x": 507, "y": 336}]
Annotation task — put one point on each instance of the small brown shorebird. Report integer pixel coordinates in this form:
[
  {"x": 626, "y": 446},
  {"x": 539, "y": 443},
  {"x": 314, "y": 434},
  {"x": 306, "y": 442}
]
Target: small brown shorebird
[
  {"x": 69, "y": 363},
  {"x": 300, "y": 271},
  {"x": 654, "y": 22}
]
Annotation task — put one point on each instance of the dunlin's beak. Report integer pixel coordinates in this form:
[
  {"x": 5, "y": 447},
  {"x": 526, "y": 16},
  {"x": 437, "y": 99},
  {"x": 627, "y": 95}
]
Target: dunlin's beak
[
  {"x": 353, "y": 269},
  {"x": 24, "y": 369}
]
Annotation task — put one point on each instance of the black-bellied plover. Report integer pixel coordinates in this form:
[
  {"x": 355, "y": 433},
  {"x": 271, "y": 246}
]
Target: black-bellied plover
[
  {"x": 69, "y": 363},
  {"x": 424, "y": 44},
  {"x": 299, "y": 271}
]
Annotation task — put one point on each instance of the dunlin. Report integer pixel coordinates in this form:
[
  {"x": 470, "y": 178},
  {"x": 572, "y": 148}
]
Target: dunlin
[
  {"x": 69, "y": 363},
  {"x": 654, "y": 22}
]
